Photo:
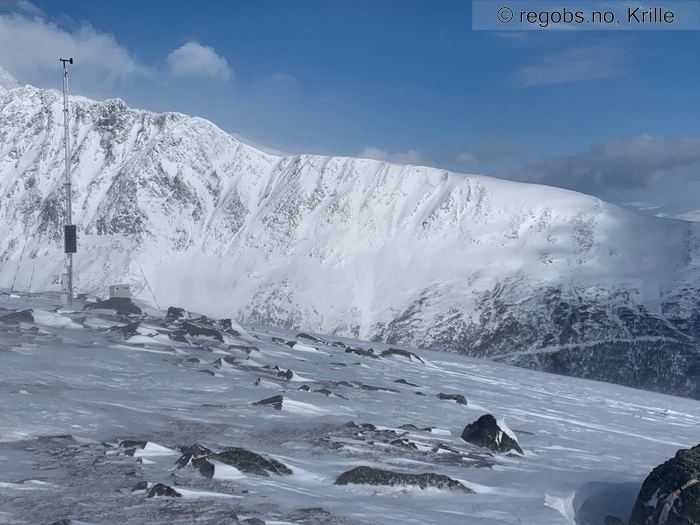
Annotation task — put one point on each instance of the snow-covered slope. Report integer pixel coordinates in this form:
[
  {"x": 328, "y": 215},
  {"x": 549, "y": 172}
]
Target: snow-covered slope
[
  {"x": 533, "y": 275},
  {"x": 76, "y": 384}
]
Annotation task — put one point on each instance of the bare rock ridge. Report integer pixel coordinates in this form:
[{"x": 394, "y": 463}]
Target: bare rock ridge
[{"x": 530, "y": 275}]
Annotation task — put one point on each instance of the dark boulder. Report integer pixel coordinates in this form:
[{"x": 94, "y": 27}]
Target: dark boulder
[
  {"x": 404, "y": 382},
  {"x": 373, "y": 388},
  {"x": 486, "y": 433},
  {"x": 205, "y": 468},
  {"x": 362, "y": 352},
  {"x": 373, "y": 476},
  {"x": 127, "y": 330},
  {"x": 65, "y": 521},
  {"x": 121, "y": 305},
  {"x": 21, "y": 316},
  {"x": 310, "y": 338},
  {"x": 459, "y": 398},
  {"x": 250, "y": 462},
  {"x": 175, "y": 313},
  {"x": 227, "y": 326},
  {"x": 243, "y": 348},
  {"x": 192, "y": 452},
  {"x": 159, "y": 489},
  {"x": 129, "y": 446},
  {"x": 305, "y": 388},
  {"x": 670, "y": 495},
  {"x": 403, "y": 353},
  {"x": 404, "y": 443},
  {"x": 286, "y": 375},
  {"x": 198, "y": 329},
  {"x": 274, "y": 401},
  {"x": 226, "y": 360}
]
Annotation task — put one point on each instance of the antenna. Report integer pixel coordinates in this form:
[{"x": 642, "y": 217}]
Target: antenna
[{"x": 69, "y": 231}]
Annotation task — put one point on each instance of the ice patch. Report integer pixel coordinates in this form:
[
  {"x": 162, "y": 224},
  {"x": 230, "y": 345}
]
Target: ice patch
[
  {"x": 304, "y": 409},
  {"x": 153, "y": 450},
  {"x": 52, "y": 320},
  {"x": 222, "y": 471},
  {"x": 305, "y": 348},
  {"x": 563, "y": 505}
]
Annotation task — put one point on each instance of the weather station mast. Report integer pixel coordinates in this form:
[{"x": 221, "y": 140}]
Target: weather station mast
[{"x": 69, "y": 230}]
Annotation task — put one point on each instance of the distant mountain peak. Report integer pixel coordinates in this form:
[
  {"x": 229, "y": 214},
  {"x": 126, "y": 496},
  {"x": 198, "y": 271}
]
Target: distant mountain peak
[{"x": 528, "y": 274}]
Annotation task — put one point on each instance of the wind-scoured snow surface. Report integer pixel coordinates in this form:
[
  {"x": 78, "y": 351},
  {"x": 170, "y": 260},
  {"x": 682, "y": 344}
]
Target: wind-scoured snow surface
[
  {"x": 76, "y": 384},
  {"x": 527, "y": 274}
]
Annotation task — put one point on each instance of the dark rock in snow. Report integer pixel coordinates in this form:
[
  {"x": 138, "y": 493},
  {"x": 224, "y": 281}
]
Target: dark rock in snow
[
  {"x": 132, "y": 444},
  {"x": 670, "y": 495},
  {"x": 274, "y": 401},
  {"x": 196, "y": 329},
  {"x": 459, "y": 398},
  {"x": 411, "y": 426},
  {"x": 224, "y": 361},
  {"x": 287, "y": 375},
  {"x": 373, "y": 476},
  {"x": 127, "y": 330},
  {"x": 276, "y": 339},
  {"x": 159, "y": 489},
  {"x": 486, "y": 433},
  {"x": 205, "y": 468},
  {"x": 227, "y": 326},
  {"x": 305, "y": 388},
  {"x": 204, "y": 370},
  {"x": 339, "y": 344},
  {"x": 22, "y": 316},
  {"x": 404, "y": 382},
  {"x": 192, "y": 452},
  {"x": 404, "y": 443},
  {"x": 362, "y": 352},
  {"x": 310, "y": 338},
  {"x": 65, "y": 521},
  {"x": 175, "y": 313},
  {"x": 403, "y": 353},
  {"x": 377, "y": 388},
  {"x": 250, "y": 462},
  {"x": 121, "y": 305}
]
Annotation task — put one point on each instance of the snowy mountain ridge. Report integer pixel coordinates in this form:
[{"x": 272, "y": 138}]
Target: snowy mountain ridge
[{"x": 528, "y": 274}]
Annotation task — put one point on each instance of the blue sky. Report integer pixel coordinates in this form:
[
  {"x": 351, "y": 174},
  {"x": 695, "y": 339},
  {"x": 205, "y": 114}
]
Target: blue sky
[{"x": 397, "y": 79}]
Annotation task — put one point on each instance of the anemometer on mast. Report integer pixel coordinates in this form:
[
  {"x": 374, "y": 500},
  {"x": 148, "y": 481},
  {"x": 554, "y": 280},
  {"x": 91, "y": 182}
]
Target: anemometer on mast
[{"x": 69, "y": 231}]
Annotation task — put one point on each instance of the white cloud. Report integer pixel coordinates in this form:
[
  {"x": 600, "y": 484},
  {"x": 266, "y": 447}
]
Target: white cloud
[
  {"x": 572, "y": 65},
  {"x": 466, "y": 158},
  {"x": 193, "y": 59},
  {"x": 31, "y": 46},
  {"x": 408, "y": 157}
]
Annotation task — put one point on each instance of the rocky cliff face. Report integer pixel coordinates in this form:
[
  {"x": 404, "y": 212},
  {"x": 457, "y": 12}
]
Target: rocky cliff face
[{"x": 531, "y": 275}]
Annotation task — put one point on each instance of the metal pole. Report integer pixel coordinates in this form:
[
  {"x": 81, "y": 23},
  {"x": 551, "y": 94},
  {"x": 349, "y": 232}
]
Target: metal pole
[{"x": 69, "y": 210}]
